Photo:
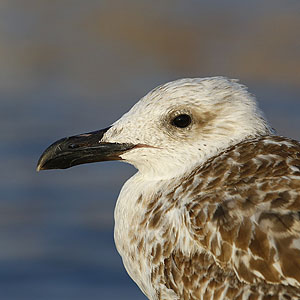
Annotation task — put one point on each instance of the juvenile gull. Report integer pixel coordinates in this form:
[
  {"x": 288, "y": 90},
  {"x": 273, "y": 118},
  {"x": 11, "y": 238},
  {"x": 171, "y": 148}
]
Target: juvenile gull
[{"x": 214, "y": 209}]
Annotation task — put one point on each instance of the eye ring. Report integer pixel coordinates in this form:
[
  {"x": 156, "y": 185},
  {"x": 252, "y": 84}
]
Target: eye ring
[{"x": 182, "y": 121}]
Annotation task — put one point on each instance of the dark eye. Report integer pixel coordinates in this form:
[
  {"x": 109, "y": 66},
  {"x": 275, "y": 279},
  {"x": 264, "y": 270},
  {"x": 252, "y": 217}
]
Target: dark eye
[{"x": 182, "y": 121}]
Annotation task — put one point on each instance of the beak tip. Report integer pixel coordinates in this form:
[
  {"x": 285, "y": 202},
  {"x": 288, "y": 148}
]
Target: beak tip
[{"x": 39, "y": 166}]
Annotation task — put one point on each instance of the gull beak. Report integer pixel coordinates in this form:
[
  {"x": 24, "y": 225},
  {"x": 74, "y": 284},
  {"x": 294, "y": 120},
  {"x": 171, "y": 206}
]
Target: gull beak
[{"x": 81, "y": 149}]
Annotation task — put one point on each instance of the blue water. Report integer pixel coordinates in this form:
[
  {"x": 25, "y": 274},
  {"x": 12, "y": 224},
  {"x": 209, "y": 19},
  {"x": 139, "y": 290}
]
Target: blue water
[{"x": 56, "y": 227}]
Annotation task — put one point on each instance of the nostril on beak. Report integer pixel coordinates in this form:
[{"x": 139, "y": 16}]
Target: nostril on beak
[{"x": 73, "y": 146}]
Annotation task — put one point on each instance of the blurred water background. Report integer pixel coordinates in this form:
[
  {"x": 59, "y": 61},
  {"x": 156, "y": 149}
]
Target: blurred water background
[{"x": 68, "y": 67}]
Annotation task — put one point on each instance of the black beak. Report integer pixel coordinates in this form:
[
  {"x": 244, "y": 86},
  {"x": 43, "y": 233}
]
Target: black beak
[{"x": 80, "y": 149}]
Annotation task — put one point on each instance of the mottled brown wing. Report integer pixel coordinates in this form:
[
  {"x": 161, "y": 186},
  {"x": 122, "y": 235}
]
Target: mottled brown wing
[{"x": 245, "y": 210}]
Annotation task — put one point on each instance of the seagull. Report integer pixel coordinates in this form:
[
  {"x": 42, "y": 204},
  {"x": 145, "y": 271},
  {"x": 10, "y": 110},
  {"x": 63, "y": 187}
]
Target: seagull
[{"x": 213, "y": 211}]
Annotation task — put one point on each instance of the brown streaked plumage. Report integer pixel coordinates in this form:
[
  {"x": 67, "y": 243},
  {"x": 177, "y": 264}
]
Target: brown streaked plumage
[
  {"x": 243, "y": 223},
  {"x": 214, "y": 211}
]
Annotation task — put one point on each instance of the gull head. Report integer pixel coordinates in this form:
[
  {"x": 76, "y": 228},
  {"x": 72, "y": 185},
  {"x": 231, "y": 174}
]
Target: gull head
[{"x": 173, "y": 128}]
